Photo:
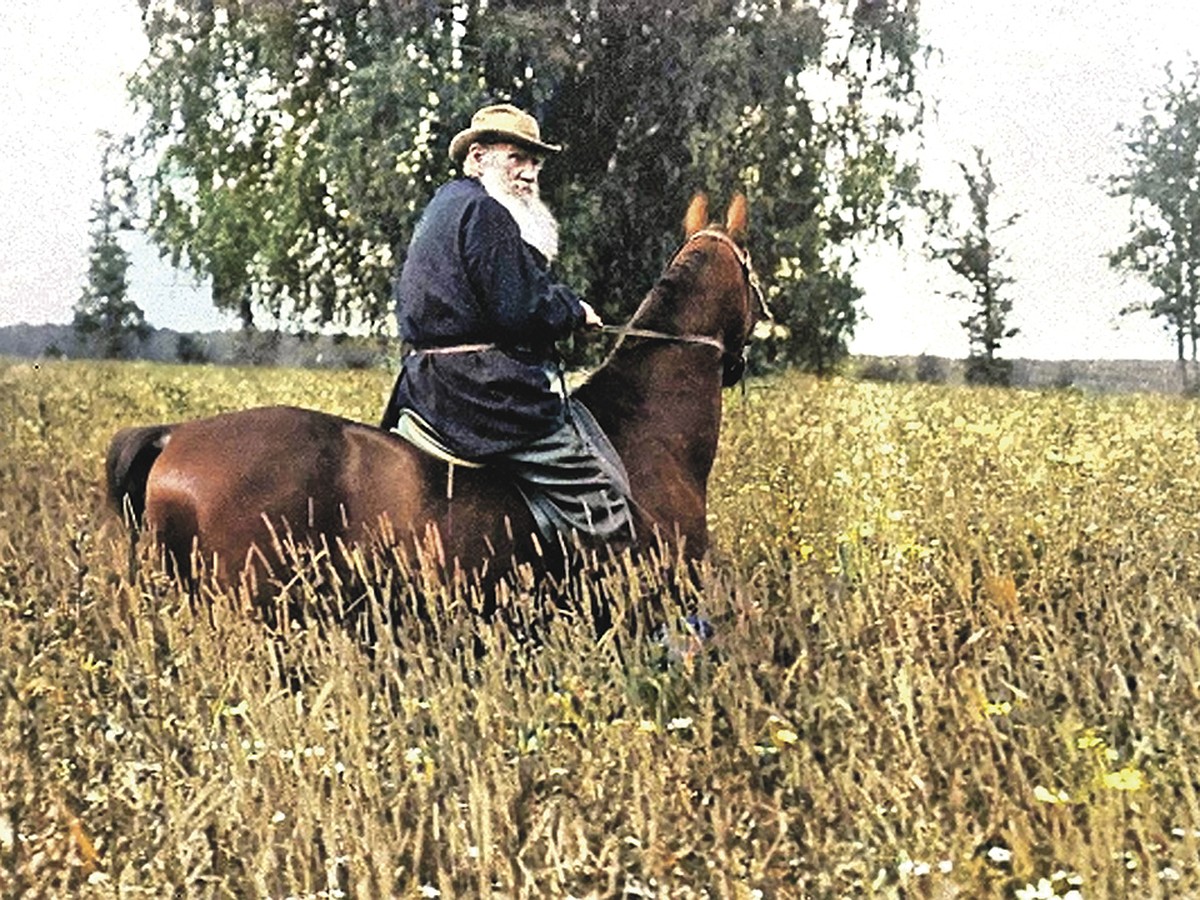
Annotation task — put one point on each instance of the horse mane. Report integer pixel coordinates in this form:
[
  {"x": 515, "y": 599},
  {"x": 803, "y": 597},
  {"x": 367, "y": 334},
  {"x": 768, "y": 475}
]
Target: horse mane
[
  {"x": 670, "y": 285},
  {"x": 612, "y": 391}
]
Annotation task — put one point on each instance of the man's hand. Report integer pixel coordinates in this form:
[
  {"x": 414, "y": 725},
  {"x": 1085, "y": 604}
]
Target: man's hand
[{"x": 591, "y": 318}]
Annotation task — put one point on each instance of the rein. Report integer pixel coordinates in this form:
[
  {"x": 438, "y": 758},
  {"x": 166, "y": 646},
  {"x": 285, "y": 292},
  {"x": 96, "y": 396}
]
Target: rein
[
  {"x": 627, "y": 331},
  {"x": 743, "y": 258},
  {"x": 741, "y": 255}
]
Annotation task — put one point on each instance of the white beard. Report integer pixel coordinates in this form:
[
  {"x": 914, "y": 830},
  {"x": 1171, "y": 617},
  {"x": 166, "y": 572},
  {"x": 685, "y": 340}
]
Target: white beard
[{"x": 539, "y": 228}]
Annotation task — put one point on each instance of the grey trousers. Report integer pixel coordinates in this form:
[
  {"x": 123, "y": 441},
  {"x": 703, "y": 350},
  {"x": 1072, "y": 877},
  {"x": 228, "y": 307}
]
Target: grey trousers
[{"x": 574, "y": 483}]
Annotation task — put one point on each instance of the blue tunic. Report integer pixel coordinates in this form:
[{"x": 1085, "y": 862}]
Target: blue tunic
[{"x": 469, "y": 278}]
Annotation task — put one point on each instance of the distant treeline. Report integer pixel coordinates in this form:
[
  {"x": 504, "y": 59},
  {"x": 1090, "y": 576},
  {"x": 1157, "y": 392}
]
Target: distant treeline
[
  {"x": 1108, "y": 376},
  {"x": 265, "y": 348},
  {"x": 340, "y": 351}
]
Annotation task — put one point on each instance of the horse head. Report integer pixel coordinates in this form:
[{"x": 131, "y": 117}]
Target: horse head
[{"x": 731, "y": 302}]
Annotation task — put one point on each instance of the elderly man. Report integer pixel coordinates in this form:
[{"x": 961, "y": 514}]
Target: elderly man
[{"x": 480, "y": 315}]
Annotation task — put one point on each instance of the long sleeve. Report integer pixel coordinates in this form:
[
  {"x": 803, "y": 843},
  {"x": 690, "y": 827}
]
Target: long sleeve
[{"x": 522, "y": 301}]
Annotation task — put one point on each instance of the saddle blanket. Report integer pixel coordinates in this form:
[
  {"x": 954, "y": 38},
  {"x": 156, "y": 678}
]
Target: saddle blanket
[{"x": 421, "y": 435}]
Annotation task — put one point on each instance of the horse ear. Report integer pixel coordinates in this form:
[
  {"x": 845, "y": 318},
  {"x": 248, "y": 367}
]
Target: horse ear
[
  {"x": 697, "y": 215},
  {"x": 737, "y": 217}
]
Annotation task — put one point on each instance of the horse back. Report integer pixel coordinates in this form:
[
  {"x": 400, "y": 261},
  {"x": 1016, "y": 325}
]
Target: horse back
[
  {"x": 405, "y": 492},
  {"x": 240, "y": 485}
]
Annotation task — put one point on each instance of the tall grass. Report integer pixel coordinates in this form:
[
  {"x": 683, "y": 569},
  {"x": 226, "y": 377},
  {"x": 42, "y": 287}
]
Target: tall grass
[{"x": 956, "y": 655}]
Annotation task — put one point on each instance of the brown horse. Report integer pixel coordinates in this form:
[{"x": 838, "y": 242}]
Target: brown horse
[{"x": 231, "y": 486}]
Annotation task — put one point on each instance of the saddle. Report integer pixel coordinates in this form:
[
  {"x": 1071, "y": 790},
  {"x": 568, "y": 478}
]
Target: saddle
[{"x": 414, "y": 429}]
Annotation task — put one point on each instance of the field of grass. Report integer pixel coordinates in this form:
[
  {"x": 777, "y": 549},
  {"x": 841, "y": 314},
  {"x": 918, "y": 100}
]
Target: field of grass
[{"x": 957, "y": 655}]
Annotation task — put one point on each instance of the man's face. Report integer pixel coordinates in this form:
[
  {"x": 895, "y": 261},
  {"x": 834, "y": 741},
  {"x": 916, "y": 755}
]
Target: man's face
[
  {"x": 509, "y": 173},
  {"x": 512, "y": 168}
]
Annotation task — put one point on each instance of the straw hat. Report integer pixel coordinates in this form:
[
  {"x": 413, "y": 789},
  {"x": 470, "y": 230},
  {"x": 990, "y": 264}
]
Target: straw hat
[{"x": 497, "y": 124}]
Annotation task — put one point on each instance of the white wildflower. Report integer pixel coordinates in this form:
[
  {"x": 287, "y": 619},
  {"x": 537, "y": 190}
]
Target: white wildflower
[{"x": 999, "y": 855}]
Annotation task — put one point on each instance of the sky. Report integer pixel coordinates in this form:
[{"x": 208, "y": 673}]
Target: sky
[
  {"x": 64, "y": 64},
  {"x": 1040, "y": 85}
]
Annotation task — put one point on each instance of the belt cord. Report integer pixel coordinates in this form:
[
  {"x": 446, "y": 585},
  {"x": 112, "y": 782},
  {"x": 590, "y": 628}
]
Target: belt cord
[{"x": 456, "y": 348}]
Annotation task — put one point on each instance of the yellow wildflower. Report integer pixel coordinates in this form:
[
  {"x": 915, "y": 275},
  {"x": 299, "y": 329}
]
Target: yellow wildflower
[
  {"x": 783, "y": 737},
  {"x": 1045, "y": 795},
  {"x": 1128, "y": 778}
]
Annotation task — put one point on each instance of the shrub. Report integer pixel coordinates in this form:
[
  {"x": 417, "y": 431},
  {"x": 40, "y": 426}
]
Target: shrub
[
  {"x": 191, "y": 349},
  {"x": 1064, "y": 378},
  {"x": 930, "y": 369},
  {"x": 983, "y": 371},
  {"x": 888, "y": 371}
]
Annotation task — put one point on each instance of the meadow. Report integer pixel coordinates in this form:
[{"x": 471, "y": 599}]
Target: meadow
[{"x": 957, "y": 654}]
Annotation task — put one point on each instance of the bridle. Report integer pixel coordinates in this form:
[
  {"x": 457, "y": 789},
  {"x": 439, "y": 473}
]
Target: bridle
[
  {"x": 734, "y": 363},
  {"x": 742, "y": 255}
]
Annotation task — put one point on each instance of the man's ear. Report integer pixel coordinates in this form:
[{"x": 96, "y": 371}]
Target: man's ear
[{"x": 473, "y": 161}]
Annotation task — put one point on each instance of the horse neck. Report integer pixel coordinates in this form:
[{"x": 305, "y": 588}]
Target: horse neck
[
  {"x": 664, "y": 394},
  {"x": 659, "y": 402}
]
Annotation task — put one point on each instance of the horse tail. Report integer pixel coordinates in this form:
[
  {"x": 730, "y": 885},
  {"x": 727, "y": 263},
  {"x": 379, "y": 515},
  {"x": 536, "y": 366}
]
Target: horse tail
[{"x": 130, "y": 456}]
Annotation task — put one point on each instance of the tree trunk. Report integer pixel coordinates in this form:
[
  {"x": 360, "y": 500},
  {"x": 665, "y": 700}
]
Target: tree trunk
[{"x": 1182, "y": 358}]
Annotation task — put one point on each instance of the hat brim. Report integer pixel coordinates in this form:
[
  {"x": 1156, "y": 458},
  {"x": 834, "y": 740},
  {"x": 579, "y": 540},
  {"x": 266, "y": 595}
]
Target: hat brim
[{"x": 464, "y": 139}]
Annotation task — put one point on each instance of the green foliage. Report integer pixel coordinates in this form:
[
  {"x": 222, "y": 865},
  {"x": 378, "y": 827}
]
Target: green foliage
[
  {"x": 979, "y": 369},
  {"x": 882, "y": 370},
  {"x": 298, "y": 142},
  {"x": 966, "y": 241},
  {"x": 930, "y": 369},
  {"x": 955, "y": 656},
  {"x": 190, "y": 349},
  {"x": 105, "y": 317},
  {"x": 819, "y": 314},
  {"x": 1162, "y": 182}
]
